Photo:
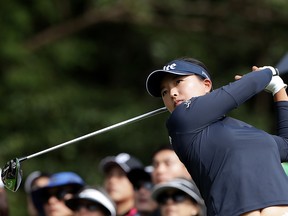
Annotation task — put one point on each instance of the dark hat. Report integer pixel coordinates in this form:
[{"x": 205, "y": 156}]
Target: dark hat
[
  {"x": 185, "y": 185},
  {"x": 140, "y": 174},
  {"x": 123, "y": 160},
  {"x": 92, "y": 195},
  {"x": 178, "y": 67}
]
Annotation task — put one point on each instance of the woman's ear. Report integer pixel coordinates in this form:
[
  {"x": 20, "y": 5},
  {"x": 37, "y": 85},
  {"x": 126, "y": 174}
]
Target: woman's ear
[{"x": 208, "y": 85}]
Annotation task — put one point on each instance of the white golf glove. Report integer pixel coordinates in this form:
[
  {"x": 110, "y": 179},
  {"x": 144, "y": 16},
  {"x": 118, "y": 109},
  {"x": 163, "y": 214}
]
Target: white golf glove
[{"x": 276, "y": 83}]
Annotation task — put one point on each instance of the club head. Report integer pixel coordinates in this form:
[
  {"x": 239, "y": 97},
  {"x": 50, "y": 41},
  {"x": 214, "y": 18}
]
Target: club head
[{"x": 12, "y": 175}]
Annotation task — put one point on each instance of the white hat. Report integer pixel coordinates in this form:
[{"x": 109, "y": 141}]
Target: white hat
[{"x": 93, "y": 195}]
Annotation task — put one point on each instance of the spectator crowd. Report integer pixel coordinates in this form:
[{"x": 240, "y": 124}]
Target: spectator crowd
[{"x": 129, "y": 188}]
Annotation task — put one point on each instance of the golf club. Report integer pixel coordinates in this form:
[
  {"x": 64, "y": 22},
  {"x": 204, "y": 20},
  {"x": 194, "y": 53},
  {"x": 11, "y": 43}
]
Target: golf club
[{"x": 12, "y": 174}]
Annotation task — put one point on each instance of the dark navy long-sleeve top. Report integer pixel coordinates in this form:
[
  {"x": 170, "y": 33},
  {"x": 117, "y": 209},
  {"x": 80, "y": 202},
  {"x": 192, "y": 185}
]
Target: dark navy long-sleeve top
[{"x": 236, "y": 166}]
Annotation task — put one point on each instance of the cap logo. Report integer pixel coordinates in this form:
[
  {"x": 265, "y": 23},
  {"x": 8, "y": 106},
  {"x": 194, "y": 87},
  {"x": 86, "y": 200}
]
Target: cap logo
[{"x": 170, "y": 67}]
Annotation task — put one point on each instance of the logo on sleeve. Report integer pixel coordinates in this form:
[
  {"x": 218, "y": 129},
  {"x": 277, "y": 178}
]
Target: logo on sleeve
[{"x": 187, "y": 103}]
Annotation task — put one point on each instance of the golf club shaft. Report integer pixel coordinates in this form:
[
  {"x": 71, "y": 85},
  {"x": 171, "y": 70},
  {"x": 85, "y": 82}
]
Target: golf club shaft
[
  {"x": 137, "y": 118},
  {"x": 283, "y": 64}
]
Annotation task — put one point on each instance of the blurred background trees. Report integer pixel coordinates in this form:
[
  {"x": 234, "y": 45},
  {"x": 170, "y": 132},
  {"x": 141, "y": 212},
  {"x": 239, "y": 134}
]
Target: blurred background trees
[{"x": 68, "y": 68}]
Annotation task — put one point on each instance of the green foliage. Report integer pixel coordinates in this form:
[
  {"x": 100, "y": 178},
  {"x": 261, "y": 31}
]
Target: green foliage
[{"x": 69, "y": 68}]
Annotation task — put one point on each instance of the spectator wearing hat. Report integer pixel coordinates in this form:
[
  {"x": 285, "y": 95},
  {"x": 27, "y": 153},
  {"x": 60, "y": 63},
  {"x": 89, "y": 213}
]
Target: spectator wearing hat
[
  {"x": 179, "y": 197},
  {"x": 35, "y": 181},
  {"x": 143, "y": 185},
  {"x": 117, "y": 184},
  {"x": 91, "y": 201},
  {"x": 61, "y": 186},
  {"x": 166, "y": 165},
  {"x": 4, "y": 207}
]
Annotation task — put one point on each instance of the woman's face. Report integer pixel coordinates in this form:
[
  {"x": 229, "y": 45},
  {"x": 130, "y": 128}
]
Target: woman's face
[{"x": 177, "y": 89}]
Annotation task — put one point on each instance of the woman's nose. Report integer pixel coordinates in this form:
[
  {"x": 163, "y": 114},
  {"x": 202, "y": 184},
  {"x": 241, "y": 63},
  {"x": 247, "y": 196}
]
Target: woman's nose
[{"x": 173, "y": 92}]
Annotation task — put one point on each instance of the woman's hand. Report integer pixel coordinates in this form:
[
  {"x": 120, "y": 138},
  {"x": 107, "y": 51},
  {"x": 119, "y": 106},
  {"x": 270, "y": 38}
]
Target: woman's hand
[{"x": 276, "y": 86}]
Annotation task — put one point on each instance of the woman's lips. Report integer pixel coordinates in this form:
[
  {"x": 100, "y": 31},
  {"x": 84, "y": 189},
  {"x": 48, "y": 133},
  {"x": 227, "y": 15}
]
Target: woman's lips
[{"x": 177, "y": 102}]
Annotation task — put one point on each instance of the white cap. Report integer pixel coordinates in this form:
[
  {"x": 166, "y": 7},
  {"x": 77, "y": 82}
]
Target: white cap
[{"x": 93, "y": 195}]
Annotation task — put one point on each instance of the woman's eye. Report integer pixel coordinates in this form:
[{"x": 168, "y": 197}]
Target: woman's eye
[
  {"x": 178, "y": 81},
  {"x": 163, "y": 93}
]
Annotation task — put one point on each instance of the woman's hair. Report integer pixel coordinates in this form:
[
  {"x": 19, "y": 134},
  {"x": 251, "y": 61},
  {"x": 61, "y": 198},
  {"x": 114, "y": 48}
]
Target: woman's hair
[{"x": 197, "y": 62}]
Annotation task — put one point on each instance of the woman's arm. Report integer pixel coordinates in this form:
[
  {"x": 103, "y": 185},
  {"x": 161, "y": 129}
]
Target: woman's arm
[
  {"x": 281, "y": 100},
  {"x": 281, "y": 95},
  {"x": 204, "y": 110}
]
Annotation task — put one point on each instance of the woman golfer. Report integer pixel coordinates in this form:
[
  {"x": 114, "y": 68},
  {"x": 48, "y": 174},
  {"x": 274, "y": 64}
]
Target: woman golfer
[{"x": 236, "y": 166}]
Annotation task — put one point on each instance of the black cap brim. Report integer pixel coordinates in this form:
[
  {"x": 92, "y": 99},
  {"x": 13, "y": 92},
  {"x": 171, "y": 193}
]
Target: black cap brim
[{"x": 153, "y": 82}]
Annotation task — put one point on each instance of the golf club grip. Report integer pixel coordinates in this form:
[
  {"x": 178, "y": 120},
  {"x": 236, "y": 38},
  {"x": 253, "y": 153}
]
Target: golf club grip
[{"x": 282, "y": 65}]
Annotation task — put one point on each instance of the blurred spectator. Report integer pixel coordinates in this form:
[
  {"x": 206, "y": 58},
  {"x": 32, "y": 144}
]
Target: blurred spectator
[
  {"x": 4, "y": 208},
  {"x": 116, "y": 183},
  {"x": 91, "y": 202},
  {"x": 179, "y": 197},
  {"x": 61, "y": 186},
  {"x": 143, "y": 185},
  {"x": 167, "y": 165},
  {"x": 34, "y": 181}
]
